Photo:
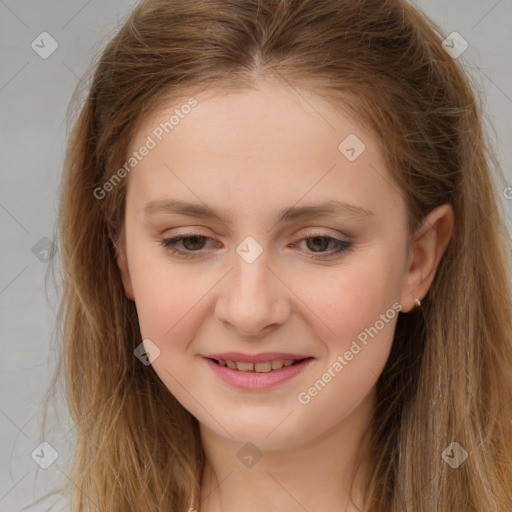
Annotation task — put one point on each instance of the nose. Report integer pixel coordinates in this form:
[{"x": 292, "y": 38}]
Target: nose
[{"x": 253, "y": 299}]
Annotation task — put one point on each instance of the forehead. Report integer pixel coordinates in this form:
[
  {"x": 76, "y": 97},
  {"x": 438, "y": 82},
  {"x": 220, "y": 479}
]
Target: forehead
[
  {"x": 268, "y": 115},
  {"x": 265, "y": 144}
]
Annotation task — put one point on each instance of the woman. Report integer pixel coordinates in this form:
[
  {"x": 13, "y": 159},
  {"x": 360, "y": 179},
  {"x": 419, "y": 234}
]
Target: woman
[{"x": 287, "y": 279}]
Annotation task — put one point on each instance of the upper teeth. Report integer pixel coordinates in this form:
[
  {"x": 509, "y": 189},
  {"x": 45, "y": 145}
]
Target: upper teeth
[{"x": 266, "y": 366}]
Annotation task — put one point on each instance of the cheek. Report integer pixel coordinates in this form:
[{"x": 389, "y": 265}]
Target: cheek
[
  {"x": 361, "y": 310},
  {"x": 341, "y": 300},
  {"x": 166, "y": 295},
  {"x": 344, "y": 300}
]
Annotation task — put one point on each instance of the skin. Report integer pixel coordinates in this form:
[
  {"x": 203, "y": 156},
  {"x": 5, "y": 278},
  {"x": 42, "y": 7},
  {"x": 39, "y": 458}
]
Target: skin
[{"x": 247, "y": 155}]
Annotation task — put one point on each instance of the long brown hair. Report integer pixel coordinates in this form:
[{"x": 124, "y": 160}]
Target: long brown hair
[{"x": 449, "y": 375}]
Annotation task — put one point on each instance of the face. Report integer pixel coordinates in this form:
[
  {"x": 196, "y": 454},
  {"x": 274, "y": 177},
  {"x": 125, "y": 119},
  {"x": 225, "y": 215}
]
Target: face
[{"x": 265, "y": 277}]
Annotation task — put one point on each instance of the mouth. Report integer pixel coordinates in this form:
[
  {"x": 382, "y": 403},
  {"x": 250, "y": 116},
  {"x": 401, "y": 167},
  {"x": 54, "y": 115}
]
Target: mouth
[
  {"x": 264, "y": 372},
  {"x": 260, "y": 367}
]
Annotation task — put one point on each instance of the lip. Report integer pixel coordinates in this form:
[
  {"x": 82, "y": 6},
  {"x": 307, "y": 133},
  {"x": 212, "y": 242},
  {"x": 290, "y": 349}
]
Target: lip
[
  {"x": 255, "y": 381},
  {"x": 256, "y": 358}
]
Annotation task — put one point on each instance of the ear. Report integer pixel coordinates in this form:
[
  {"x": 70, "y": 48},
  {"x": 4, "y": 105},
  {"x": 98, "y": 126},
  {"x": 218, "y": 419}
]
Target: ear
[
  {"x": 427, "y": 249},
  {"x": 122, "y": 263}
]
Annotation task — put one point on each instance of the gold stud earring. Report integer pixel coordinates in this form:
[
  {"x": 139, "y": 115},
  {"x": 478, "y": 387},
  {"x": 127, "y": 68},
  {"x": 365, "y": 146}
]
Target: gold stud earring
[{"x": 418, "y": 302}]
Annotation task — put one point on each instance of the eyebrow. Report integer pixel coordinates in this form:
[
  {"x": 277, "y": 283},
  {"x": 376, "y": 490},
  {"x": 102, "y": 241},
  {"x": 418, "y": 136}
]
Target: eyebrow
[{"x": 333, "y": 207}]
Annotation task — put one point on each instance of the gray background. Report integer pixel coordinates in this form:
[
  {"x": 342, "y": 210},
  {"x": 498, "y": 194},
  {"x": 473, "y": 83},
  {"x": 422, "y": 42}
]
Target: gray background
[{"x": 34, "y": 97}]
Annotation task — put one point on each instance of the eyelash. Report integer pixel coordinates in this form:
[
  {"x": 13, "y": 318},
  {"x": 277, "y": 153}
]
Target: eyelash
[{"x": 169, "y": 244}]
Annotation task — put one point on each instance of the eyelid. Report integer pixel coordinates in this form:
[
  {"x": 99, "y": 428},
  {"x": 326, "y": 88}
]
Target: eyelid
[
  {"x": 321, "y": 232},
  {"x": 303, "y": 232}
]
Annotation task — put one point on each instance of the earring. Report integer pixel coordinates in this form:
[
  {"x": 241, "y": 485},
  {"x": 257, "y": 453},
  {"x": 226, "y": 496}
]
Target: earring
[{"x": 418, "y": 302}]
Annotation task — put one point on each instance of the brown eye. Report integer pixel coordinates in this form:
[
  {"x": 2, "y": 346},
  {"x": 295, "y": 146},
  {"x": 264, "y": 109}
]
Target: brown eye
[
  {"x": 318, "y": 242},
  {"x": 191, "y": 243},
  {"x": 197, "y": 242}
]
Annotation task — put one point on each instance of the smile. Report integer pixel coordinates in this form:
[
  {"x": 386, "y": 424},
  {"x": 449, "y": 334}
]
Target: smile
[
  {"x": 263, "y": 367},
  {"x": 257, "y": 376}
]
